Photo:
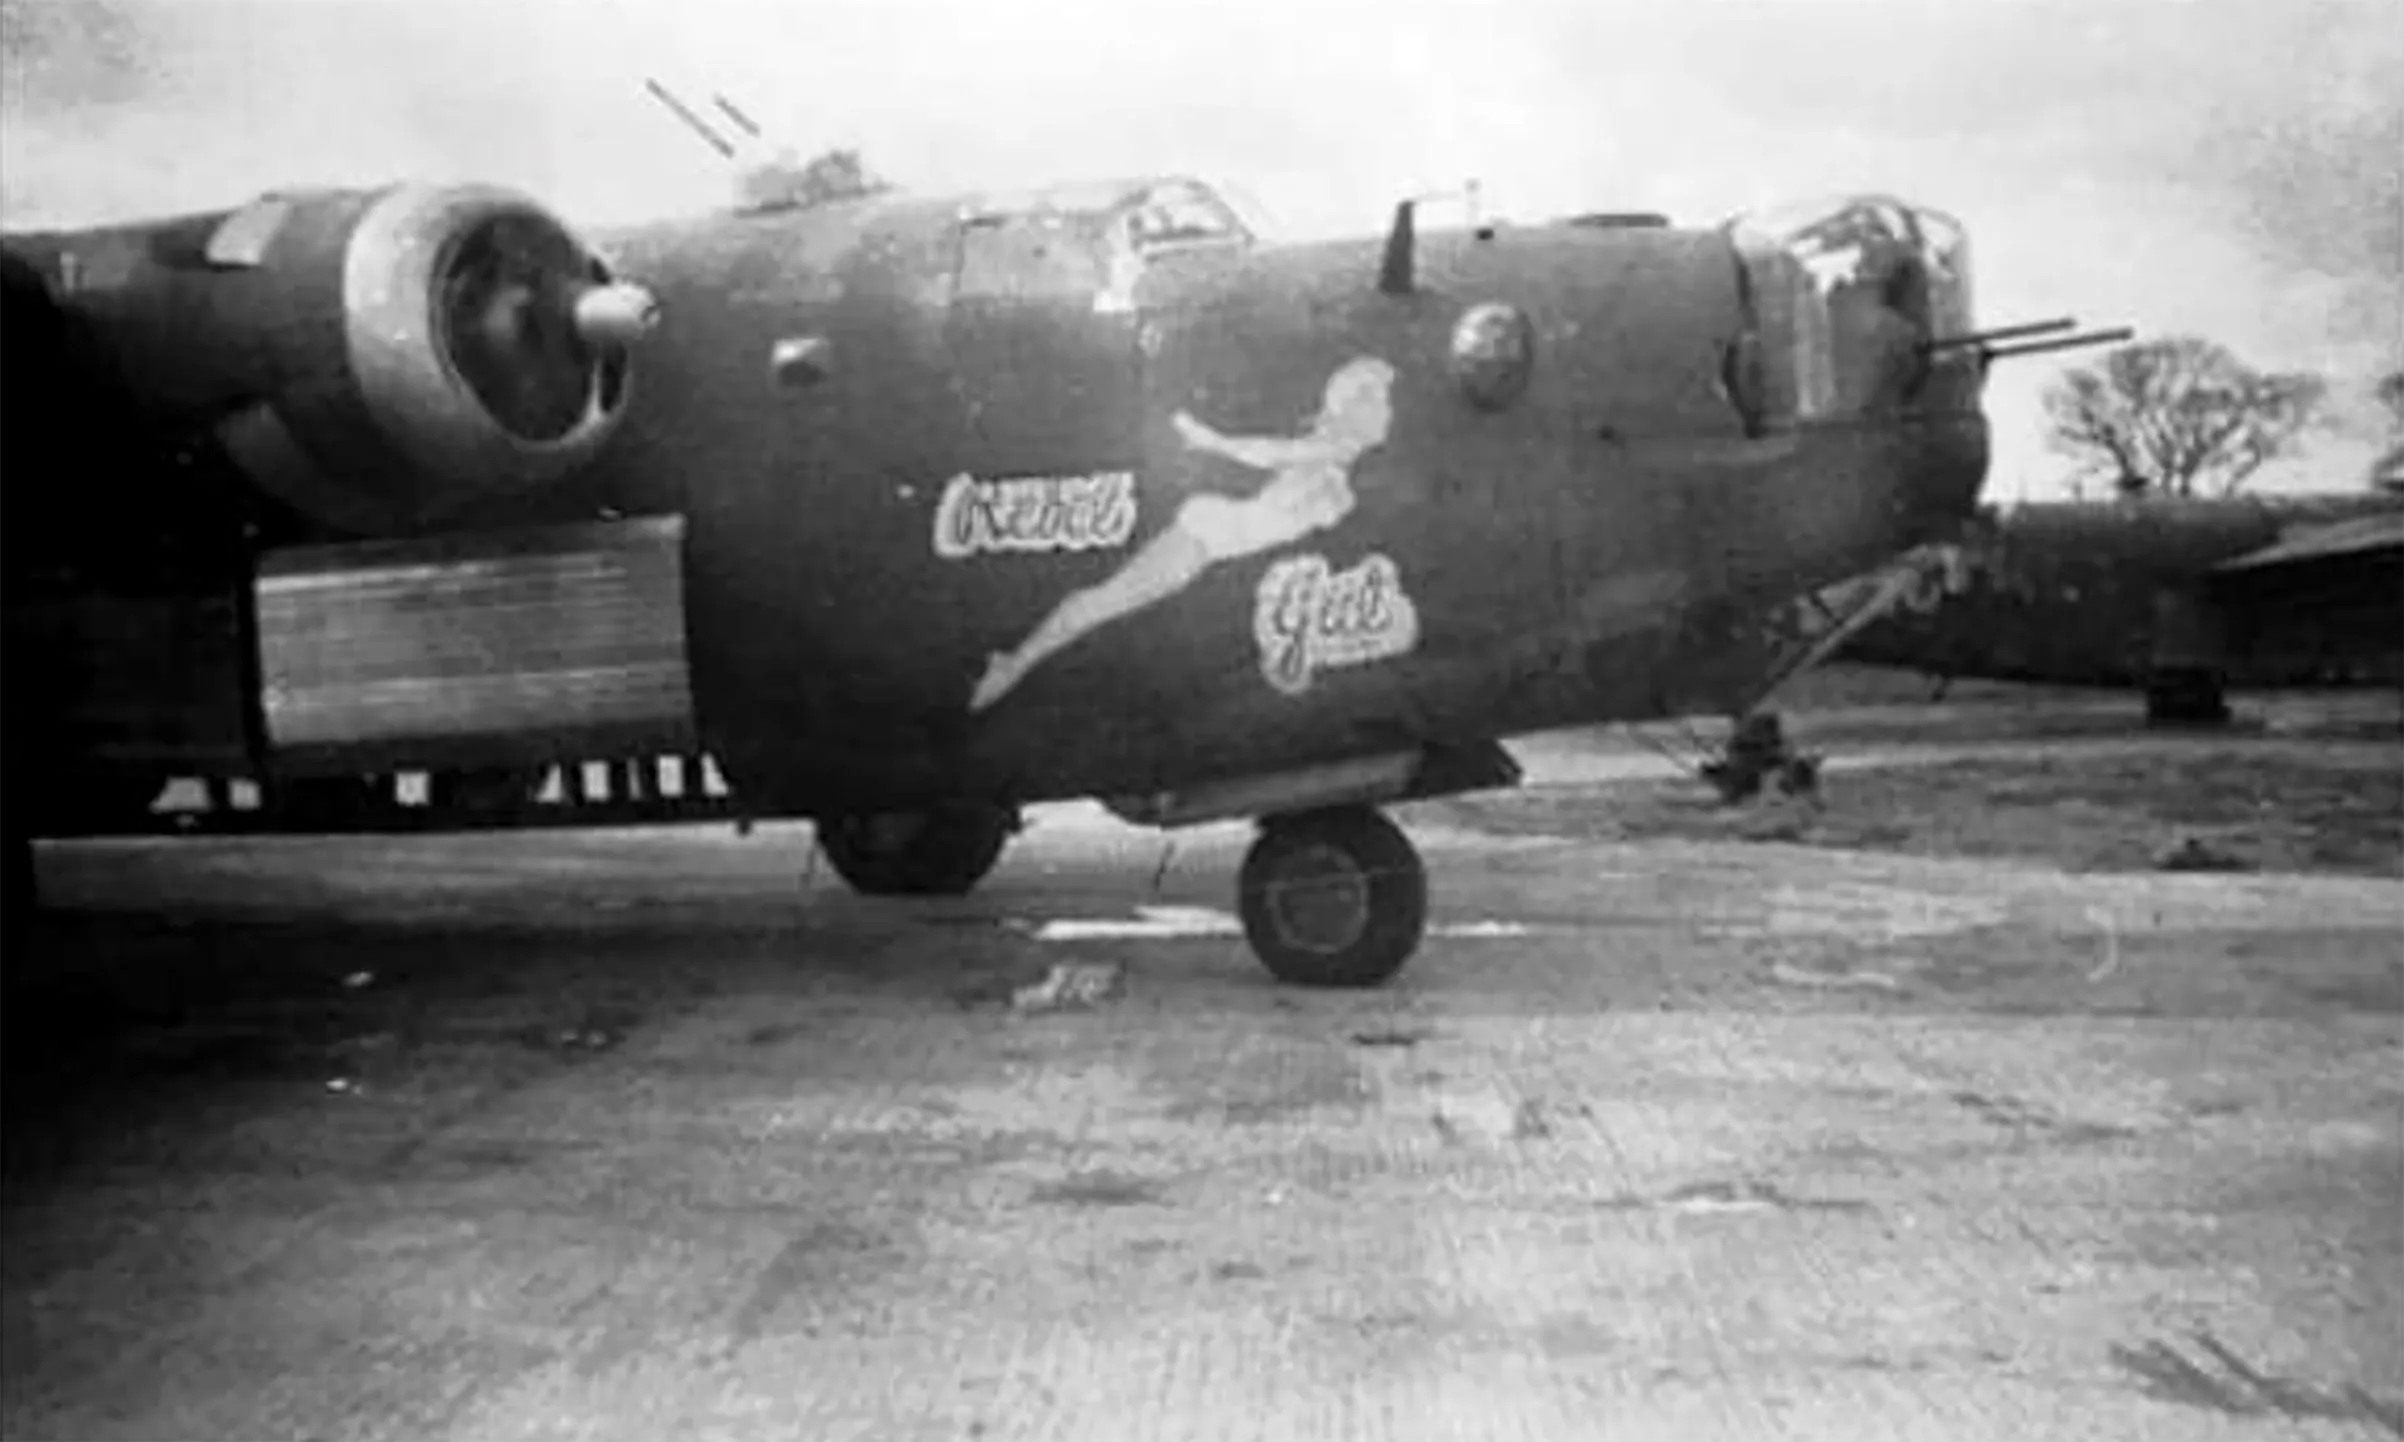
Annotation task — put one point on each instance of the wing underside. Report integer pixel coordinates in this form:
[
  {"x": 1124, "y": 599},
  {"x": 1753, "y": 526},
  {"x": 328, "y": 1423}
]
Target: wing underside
[{"x": 2362, "y": 539}]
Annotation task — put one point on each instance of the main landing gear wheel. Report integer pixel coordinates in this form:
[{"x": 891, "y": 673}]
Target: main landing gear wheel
[
  {"x": 943, "y": 852},
  {"x": 1333, "y": 898}
]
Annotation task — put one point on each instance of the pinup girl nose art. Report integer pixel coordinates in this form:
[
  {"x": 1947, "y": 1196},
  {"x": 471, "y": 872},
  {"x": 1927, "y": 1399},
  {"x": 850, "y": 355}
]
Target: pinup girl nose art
[{"x": 1308, "y": 489}]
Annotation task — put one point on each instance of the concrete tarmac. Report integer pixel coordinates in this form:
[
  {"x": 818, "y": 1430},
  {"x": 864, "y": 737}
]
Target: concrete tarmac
[{"x": 629, "y": 1135}]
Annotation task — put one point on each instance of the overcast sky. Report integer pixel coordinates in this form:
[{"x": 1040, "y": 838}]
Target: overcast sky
[{"x": 2230, "y": 168}]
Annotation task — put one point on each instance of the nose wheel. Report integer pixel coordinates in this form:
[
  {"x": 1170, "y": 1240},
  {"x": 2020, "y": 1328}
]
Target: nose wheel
[
  {"x": 1757, "y": 754},
  {"x": 1333, "y": 898}
]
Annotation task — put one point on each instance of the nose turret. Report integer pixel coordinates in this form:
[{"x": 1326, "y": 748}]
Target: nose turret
[
  {"x": 1854, "y": 299},
  {"x": 1851, "y": 294}
]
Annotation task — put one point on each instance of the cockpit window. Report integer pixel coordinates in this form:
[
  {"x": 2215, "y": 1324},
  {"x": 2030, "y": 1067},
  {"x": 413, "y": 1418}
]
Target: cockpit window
[
  {"x": 1177, "y": 214},
  {"x": 1160, "y": 213},
  {"x": 1090, "y": 239}
]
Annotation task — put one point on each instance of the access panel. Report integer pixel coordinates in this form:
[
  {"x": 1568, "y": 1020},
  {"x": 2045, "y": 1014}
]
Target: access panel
[{"x": 550, "y": 644}]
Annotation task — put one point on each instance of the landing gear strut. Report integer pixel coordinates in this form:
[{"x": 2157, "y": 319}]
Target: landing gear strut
[
  {"x": 1333, "y": 898},
  {"x": 942, "y": 852}
]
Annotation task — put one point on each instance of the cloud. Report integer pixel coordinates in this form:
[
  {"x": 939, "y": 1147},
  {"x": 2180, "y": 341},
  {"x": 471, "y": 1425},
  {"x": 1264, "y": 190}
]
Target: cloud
[
  {"x": 2224, "y": 167},
  {"x": 60, "y": 55}
]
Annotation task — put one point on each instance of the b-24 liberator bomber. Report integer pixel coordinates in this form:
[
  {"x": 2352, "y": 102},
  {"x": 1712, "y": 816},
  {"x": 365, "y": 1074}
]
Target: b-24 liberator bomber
[{"x": 911, "y": 512}]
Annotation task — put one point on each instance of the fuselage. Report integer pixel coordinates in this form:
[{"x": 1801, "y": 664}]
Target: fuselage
[
  {"x": 1082, "y": 492},
  {"x": 1607, "y": 449}
]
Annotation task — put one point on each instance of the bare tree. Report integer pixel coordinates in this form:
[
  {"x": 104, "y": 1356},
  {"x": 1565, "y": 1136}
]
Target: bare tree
[
  {"x": 788, "y": 183},
  {"x": 2387, "y": 472},
  {"x": 2178, "y": 416}
]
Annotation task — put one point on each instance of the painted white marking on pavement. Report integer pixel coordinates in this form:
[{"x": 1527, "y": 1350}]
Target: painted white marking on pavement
[{"x": 1188, "y": 921}]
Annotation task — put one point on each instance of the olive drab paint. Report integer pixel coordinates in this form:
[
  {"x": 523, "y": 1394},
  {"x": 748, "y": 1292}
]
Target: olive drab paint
[
  {"x": 1086, "y": 490},
  {"x": 1099, "y": 484}
]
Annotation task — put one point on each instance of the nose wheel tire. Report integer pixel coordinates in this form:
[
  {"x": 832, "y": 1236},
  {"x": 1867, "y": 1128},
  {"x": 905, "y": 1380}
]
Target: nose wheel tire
[
  {"x": 1333, "y": 898},
  {"x": 943, "y": 852}
]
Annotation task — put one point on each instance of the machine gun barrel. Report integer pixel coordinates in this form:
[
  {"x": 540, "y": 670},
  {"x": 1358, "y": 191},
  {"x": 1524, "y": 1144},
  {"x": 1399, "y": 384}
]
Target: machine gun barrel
[
  {"x": 2067, "y": 342},
  {"x": 693, "y": 122},
  {"x": 1985, "y": 339}
]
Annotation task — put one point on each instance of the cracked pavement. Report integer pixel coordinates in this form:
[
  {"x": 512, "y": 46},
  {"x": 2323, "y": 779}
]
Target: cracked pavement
[{"x": 623, "y": 1135}]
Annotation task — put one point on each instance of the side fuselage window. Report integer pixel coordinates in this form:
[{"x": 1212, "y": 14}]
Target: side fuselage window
[{"x": 1029, "y": 257}]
